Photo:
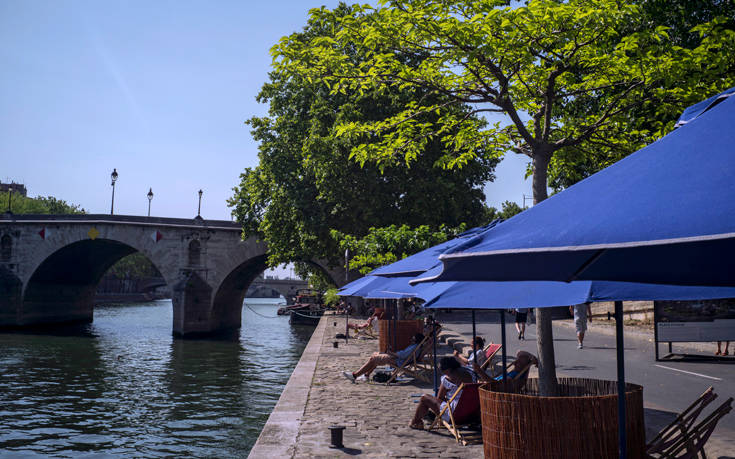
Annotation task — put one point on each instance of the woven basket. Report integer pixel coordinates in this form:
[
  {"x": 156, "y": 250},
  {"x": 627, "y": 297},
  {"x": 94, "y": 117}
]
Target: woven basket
[
  {"x": 406, "y": 329},
  {"x": 581, "y": 423}
]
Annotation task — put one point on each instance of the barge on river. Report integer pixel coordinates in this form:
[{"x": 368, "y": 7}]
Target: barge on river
[{"x": 307, "y": 309}]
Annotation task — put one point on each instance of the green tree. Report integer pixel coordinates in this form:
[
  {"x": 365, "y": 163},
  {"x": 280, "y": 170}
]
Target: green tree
[
  {"x": 564, "y": 75},
  {"x": 134, "y": 265},
  {"x": 381, "y": 246},
  {"x": 681, "y": 18},
  {"x": 38, "y": 205},
  {"x": 508, "y": 209},
  {"x": 308, "y": 183}
]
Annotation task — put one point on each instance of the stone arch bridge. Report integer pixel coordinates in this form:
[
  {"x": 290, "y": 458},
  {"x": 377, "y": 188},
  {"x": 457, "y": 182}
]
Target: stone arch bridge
[{"x": 50, "y": 266}]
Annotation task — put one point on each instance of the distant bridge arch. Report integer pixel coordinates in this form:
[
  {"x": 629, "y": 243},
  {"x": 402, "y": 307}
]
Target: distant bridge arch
[{"x": 51, "y": 265}]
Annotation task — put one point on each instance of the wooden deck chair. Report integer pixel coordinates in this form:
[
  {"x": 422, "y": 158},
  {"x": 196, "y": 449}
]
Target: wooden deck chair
[
  {"x": 417, "y": 364},
  {"x": 682, "y": 424},
  {"x": 516, "y": 383},
  {"x": 490, "y": 351},
  {"x": 364, "y": 330},
  {"x": 689, "y": 444},
  {"x": 466, "y": 411}
]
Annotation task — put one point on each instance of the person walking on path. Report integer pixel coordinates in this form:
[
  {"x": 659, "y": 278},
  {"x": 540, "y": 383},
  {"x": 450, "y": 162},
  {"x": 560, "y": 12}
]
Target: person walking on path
[
  {"x": 521, "y": 317},
  {"x": 719, "y": 348},
  {"x": 395, "y": 359},
  {"x": 582, "y": 313}
]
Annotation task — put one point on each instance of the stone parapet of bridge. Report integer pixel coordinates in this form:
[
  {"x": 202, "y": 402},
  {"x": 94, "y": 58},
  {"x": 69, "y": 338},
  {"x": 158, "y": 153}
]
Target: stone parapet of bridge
[{"x": 50, "y": 266}]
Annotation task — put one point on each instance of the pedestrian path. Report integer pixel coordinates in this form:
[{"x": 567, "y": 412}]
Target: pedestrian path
[{"x": 376, "y": 416}]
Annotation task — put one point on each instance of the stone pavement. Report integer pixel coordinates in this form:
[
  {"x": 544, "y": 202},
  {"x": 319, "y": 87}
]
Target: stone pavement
[{"x": 376, "y": 416}]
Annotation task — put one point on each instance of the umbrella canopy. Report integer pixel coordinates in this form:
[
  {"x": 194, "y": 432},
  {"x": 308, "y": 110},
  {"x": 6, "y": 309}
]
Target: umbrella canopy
[
  {"x": 662, "y": 215},
  {"x": 541, "y": 294}
]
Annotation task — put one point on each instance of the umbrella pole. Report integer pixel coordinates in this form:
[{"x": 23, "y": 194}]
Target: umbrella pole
[
  {"x": 474, "y": 334},
  {"x": 395, "y": 326},
  {"x": 502, "y": 346},
  {"x": 436, "y": 375},
  {"x": 622, "y": 443}
]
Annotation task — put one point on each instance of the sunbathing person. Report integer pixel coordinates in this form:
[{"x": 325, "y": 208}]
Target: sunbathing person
[
  {"x": 453, "y": 376},
  {"x": 395, "y": 359},
  {"x": 523, "y": 360},
  {"x": 365, "y": 324}
]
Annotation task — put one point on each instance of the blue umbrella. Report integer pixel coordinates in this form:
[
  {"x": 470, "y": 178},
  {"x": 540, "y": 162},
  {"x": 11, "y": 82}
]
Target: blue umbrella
[{"x": 662, "y": 215}]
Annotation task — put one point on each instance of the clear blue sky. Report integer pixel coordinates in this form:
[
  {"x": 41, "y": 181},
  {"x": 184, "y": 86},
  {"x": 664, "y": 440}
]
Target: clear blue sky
[{"x": 158, "y": 90}]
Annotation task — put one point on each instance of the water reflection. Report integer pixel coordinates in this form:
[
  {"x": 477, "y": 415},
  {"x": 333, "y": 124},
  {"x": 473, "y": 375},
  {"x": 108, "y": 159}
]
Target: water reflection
[{"x": 124, "y": 386}]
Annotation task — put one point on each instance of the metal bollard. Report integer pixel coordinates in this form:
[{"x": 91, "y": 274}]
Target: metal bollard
[
  {"x": 336, "y": 432},
  {"x": 335, "y": 344},
  {"x": 335, "y": 324}
]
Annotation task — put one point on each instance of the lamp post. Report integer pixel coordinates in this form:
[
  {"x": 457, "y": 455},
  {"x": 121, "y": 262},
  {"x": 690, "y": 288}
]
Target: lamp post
[
  {"x": 199, "y": 209},
  {"x": 150, "y": 198},
  {"x": 113, "y": 176},
  {"x": 10, "y": 198}
]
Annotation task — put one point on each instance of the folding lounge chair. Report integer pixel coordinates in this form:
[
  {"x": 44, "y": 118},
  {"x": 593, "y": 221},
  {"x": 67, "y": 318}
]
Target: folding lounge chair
[
  {"x": 368, "y": 331},
  {"x": 416, "y": 364},
  {"x": 683, "y": 439},
  {"x": 490, "y": 351},
  {"x": 515, "y": 384},
  {"x": 466, "y": 412}
]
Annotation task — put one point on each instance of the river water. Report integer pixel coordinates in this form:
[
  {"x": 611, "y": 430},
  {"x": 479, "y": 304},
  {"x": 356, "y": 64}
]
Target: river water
[{"x": 122, "y": 386}]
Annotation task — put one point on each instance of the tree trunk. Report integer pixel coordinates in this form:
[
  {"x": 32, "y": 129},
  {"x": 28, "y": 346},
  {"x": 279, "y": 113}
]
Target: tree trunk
[{"x": 544, "y": 331}]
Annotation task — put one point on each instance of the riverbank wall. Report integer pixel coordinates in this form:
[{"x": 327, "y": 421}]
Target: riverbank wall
[{"x": 279, "y": 435}]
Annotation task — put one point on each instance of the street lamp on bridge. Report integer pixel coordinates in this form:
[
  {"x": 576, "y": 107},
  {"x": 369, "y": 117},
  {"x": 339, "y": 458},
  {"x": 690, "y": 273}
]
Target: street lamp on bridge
[
  {"x": 199, "y": 209},
  {"x": 113, "y": 176},
  {"x": 150, "y": 198}
]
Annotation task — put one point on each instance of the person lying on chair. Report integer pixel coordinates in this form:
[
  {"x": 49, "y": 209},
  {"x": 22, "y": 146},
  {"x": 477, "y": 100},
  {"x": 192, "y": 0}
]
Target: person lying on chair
[
  {"x": 453, "y": 375},
  {"x": 395, "y": 359},
  {"x": 365, "y": 324},
  {"x": 523, "y": 361}
]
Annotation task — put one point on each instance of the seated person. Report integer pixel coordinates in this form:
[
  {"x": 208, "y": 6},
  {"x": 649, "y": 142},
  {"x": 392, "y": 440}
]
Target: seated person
[
  {"x": 477, "y": 355},
  {"x": 395, "y": 359},
  {"x": 431, "y": 326},
  {"x": 523, "y": 360},
  {"x": 453, "y": 375},
  {"x": 367, "y": 323}
]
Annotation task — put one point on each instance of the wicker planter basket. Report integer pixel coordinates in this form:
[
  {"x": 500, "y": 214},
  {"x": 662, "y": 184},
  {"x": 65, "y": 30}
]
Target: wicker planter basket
[
  {"x": 581, "y": 423},
  {"x": 406, "y": 329}
]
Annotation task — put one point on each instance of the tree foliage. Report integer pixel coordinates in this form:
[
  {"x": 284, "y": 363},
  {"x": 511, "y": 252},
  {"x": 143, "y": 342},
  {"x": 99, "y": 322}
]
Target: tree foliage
[
  {"x": 308, "y": 181},
  {"x": 507, "y": 210},
  {"x": 135, "y": 265},
  {"x": 681, "y": 19},
  {"x": 38, "y": 205},
  {"x": 566, "y": 76},
  {"x": 381, "y": 246}
]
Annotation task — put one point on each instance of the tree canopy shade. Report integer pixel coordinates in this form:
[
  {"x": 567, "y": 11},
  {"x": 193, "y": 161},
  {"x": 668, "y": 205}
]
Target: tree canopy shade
[
  {"x": 565, "y": 76},
  {"x": 307, "y": 184}
]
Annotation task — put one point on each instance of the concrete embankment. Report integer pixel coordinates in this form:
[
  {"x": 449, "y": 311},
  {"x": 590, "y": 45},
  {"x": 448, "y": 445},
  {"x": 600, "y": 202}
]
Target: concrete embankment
[{"x": 279, "y": 435}]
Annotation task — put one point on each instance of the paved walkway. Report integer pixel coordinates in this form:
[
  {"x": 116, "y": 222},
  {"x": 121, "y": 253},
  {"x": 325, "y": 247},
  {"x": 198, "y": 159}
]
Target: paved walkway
[{"x": 375, "y": 416}]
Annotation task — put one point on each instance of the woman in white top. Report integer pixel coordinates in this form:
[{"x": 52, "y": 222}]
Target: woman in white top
[{"x": 453, "y": 376}]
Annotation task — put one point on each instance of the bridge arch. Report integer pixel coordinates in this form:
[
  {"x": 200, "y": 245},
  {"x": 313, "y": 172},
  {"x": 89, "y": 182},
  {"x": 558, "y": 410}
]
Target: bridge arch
[
  {"x": 62, "y": 287},
  {"x": 52, "y": 263}
]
